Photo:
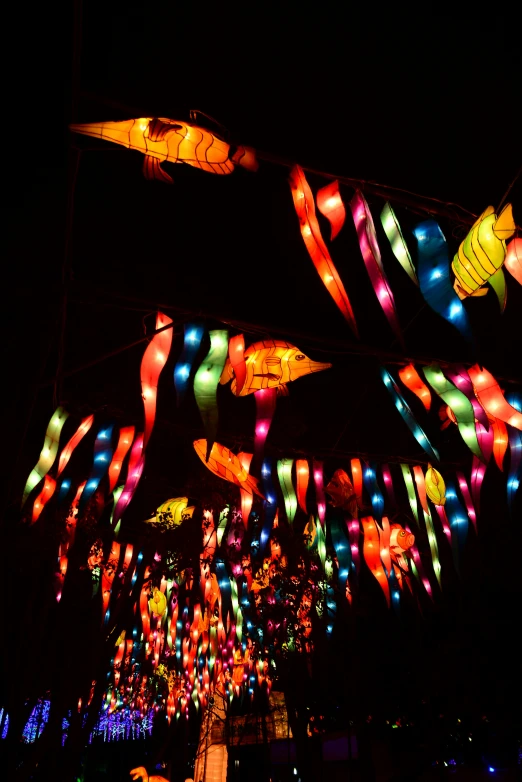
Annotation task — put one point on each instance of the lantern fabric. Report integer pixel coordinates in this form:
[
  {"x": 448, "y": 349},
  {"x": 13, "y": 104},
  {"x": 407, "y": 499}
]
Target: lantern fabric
[
  {"x": 372, "y": 554},
  {"x": 302, "y": 474},
  {"x": 500, "y": 441},
  {"x": 67, "y": 450},
  {"x": 236, "y": 355},
  {"x": 284, "y": 473},
  {"x": 515, "y": 452},
  {"x": 102, "y": 460},
  {"x": 418, "y": 568},
  {"x": 459, "y": 523},
  {"x": 480, "y": 256},
  {"x": 48, "y": 452},
  {"x": 357, "y": 478},
  {"x": 270, "y": 505},
  {"x": 374, "y": 491},
  {"x": 491, "y": 397},
  {"x": 466, "y": 495},
  {"x": 460, "y": 377},
  {"x": 245, "y": 494},
  {"x": 342, "y": 493},
  {"x": 435, "y": 486},
  {"x": 192, "y": 336},
  {"x": 513, "y": 262},
  {"x": 432, "y": 538},
  {"x": 317, "y": 468},
  {"x": 388, "y": 484},
  {"x": 330, "y": 204},
  {"x": 125, "y": 439},
  {"x": 458, "y": 403},
  {"x": 161, "y": 139},
  {"x": 412, "y": 380},
  {"x": 342, "y": 552},
  {"x": 314, "y": 243},
  {"x": 134, "y": 471},
  {"x": 43, "y": 498},
  {"x": 206, "y": 381},
  {"x": 226, "y": 465},
  {"x": 407, "y": 415},
  {"x": 271, "y": 363},
  {"x": 433, "y": 270},
  {"x": 398, "y": 244},
  {"x": 354, "y": 532},
  {"x": 152, "y": 363},
  {"x": 410, "y": 490},
  {"x": 171, "y": 513},
  {"x": 372, "y": 259},
  {"x": 265, "y": 409}
]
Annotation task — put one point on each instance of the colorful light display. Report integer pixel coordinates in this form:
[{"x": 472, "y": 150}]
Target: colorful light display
[
  {"x": 314, "y": 243},
  {"x": 407, "y": 415},
  {"x": 206, "y": 381},
  {"x": 412, "y": 380},
  {"x": 192, "y": 336},
  {"x": 48, "y": 452}
]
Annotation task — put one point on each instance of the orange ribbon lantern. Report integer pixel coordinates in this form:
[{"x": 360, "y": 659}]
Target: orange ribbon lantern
[
  {"x": 412, "y": 380},
  {"x": 226, "y": 465},
  {"x": 67, "y": 450},
  {"x": 124, "y": 443},
  {"x": 314, "y": 243},
  {"x": 302, "y": 473},
  {"x": 330, "y": 204},
  {"x": 152, "y": 363},
  {"x": 492, "y": 399}
]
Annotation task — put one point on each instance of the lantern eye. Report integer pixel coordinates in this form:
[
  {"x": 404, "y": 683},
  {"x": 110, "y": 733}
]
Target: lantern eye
[{"x": 299, "y": 357}]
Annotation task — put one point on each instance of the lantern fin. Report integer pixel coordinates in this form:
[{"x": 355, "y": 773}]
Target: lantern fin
[
  {"x": 283, "y": 390},
  {"x": 498, "y": 283},
  {"x": 152, "y": 170},
  {"x": 159, "y": 128},
  {"x": 504, "y": 226}
]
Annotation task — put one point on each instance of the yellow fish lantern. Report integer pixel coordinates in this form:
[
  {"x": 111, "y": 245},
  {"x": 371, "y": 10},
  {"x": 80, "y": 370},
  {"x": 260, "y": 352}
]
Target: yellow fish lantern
[
  {"x": 225, "y": 464},
  {"x": 172, "y": 513},
  {"x": 480, "y": 256},
  {"x": 435, "y": 486},
  {"x": 170, "y": 140},
  {"x": 270, "y": 364}
]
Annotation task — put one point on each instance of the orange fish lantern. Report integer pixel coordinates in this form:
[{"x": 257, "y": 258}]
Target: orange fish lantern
[
  {"x": 225, "y": 464},
  {"x": 170, "y": 140},
  {"x": 342, "y": 493},
  {"x": 270, "y": 364}
]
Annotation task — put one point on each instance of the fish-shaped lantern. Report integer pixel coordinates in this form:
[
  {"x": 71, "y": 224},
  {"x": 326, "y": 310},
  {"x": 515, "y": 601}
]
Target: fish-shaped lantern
[
  {"x": 340, "y": 489},
  {"x": 270, "y": 364},
  {"x": 171, "y": 513},
  {"x": 480, "y": 256},
  {"x": 225, "y": 464},
  {"x": 170, "y": 140}
]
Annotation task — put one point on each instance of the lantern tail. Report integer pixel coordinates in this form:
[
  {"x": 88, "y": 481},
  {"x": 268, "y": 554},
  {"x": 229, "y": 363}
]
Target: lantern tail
[{"x": 152, "y": 170}]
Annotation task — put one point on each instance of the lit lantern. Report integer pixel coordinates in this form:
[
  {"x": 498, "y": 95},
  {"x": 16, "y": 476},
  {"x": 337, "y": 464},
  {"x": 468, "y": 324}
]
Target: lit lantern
[
  {"x": 401, "y": 541},
  {"x": 458, "y": 519},
  {"x": 433, "y": 269},
  {"x": 373, "y": 489},
  {"x": 412, "y": 380},
  {"x": 388, "y": 483},
  {"x": 321, "y": 546},
  {"x": 134, "y": 471},
  {"x": 48, "y": 452},
  {"x": 342, "y": 493},
  {"x": 357, "y": 479},
  {"x": 435, "y": 486},
  {"x": 193, "y": 334},
  {"x": 515, "y": 452},
  {"x": 407, "y": 415},
  {"x": 317, "y": 467},
  {"x": 270, "y": 504},
  {"x": 161, "y": 139},
  {"x": 125, "y": 439},
  {"x": 236, "y": 354},
  {"x": 432, "y": 538},
  {"x": 108, "y": 572},
  {"x": 478, "y": 467},
  {"x": 330, "y": 204},
  {"x": 372, "y": 259},
  {"x": 460, "y": 377},
  {"x": 458, "y": 403},
  {"x": 265, "y": 409},
  {"x": 342, "y": 551},
  {"x": 354, "y": 532},
  {"x": 206, "y": 382},
  {"x": 171, "y": 513},
  {"x": 225, "y": 464},
  {"x": 284, "y": 473},
  {"x": 372, "y": 554},
  {"x": 44, "y": 497},
  {"x": 302, "y": 473},
  {"x": 246, "y": 495},
  {"x": 67, "y": 450},
  {"x": 270, "y": 364},
  {"x": 152, "y": 363},
  {"x": 314, "y": 243},
  {"x": 500, "y": 441},
  {"x": 492, "y": 399},
  {"x": 464, "y": 490},
  {"x": 398, "y": 244},
  {"x": 410, "y": 490},
  {"x": 513, "y": 262},
  {"x": 102, "y": 459},
  {"x": 480, "y": 256}
]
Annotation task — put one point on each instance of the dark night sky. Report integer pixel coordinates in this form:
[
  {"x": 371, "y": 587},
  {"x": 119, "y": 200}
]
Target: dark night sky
[{"x": 428, "y": 104}]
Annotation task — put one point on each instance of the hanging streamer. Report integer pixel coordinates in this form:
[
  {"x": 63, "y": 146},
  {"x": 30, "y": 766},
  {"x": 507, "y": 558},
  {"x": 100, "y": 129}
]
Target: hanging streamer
[
  {"x": 67, "y": 450},
  {"x": 48, "y": 452},
  {"x": 459, "y": 523},
  {"x": 311, "y": 233},
  {"x": 515, "y": 452},
  {"x": 320, "y": 499},
  {"x": 372, "y": 259},
  {"x": 374, "y": 491},
  {"x": 206, "y": 382},
  {"x": 432, "y": 538},
  {"x": 458, "y": 403},
  {"x": 102, "y": 460},
  {"x": 464, "y": 490},
  {"x": 398, "y": 244},
  {"x": 284, "y": 473},
  {"x": 410, "y": 489},
  {"x": 354, "y": 531},
  {"x": 302, "y": 474},
  {"x": 407, "y": 415},
  {"x": 246, "y": 495},
  {"x": 417, "y": 566},
  {"x": 125, "y": 439},
  {"x": 433, "y": 269},
  {"x": 412, "y": 380},
  {"x": 265, "y": 409},
  {"x": 500, "y": 441},
  {"x": 357, "y": 478},
  {"x": 491, "y": 397},
  {"x": 134, "y": 471},
  {"x": 270, "y": 504},
  {"x": 43, "y": 498},
  {"x": 193, "y": 334},
  {"x": 330, "y": 204},
  {"x": 372, "y": 554},
  {"x": 388, "y": 484},
  {"x": 153, "y": 361},
  {"x": 460, "y": 377}
]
